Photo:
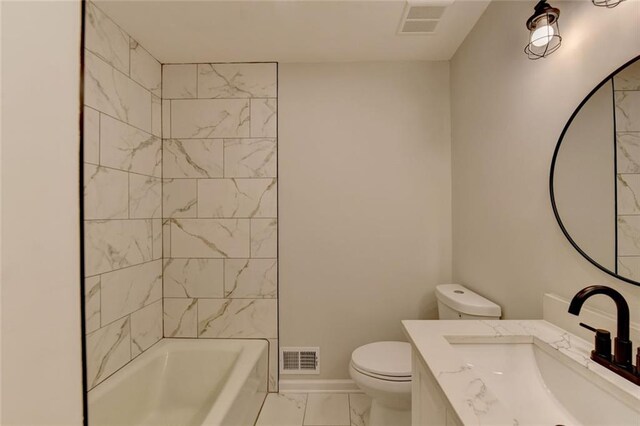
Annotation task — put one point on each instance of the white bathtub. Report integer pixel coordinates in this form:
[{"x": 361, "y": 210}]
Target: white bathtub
[{"x": 184, "y": 382}]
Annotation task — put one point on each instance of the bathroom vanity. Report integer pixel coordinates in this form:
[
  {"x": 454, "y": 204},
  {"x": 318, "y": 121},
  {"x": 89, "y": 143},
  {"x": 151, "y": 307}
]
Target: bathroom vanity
[{"x": 518, "y": 372}]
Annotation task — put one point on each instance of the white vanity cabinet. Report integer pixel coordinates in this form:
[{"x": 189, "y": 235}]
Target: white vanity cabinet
[{"x": 429, "y": 406}]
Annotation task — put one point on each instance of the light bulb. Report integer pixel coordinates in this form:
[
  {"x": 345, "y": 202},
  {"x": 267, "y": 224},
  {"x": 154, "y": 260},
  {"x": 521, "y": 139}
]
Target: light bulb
[{"x": 542, "y": 35}]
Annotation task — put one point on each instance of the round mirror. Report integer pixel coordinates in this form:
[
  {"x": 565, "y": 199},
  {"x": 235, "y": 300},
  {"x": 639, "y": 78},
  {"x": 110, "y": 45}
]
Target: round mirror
[{"x": 595, "y": 175}]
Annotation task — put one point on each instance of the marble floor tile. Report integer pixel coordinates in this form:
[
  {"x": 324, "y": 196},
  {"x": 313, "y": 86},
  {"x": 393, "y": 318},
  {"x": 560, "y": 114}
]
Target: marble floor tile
[
  {"x": 359, "y": 406},
  {"x": 283, "y": 410},
  {"x": 330, "y": 409},
  {"x": 327, "y": 409}
]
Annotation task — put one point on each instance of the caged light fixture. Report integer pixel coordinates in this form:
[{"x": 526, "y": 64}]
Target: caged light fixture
[
  {"x": 606, "y": 3},
  {"x": 544, "y": 36}
]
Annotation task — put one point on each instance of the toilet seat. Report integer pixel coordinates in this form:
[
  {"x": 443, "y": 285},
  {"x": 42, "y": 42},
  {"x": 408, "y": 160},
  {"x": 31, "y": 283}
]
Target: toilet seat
[
  {"x": 382, "y": 377},
  {"x": 389, "y": 361}
]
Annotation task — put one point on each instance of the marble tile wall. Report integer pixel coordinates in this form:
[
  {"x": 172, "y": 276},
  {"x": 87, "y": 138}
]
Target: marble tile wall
[
  {"x": 219, "y": 172},
  {"x": 627, "y": 120},
  {"x": 122, "y": 196}
]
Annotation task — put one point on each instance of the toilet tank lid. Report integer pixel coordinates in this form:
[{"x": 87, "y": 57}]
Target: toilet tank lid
[{"x": 465, "y": 301}]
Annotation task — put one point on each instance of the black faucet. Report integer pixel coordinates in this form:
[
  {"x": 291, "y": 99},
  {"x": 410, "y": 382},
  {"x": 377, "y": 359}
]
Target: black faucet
[{"x": 621, "y": 363}]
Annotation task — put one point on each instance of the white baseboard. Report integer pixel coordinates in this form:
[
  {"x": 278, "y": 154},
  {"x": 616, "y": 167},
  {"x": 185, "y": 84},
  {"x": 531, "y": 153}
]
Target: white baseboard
[{"x": 317, "y": 386}]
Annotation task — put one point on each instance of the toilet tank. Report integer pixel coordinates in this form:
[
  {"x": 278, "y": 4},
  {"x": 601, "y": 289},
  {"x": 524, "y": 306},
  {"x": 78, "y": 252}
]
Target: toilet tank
[{"x": 458, "y": 302}]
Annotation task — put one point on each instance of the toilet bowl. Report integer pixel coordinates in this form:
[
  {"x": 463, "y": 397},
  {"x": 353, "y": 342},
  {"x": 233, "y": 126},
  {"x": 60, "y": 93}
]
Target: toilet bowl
[{"x": 382, "y": 370}]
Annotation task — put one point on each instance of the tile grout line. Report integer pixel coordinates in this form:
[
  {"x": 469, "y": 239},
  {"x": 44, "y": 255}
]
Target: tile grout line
[
  {"x": 99, "y": 137},
  {"x": 130, "y": 341},
  {"x": 120, "y": 269},
  {"x": 197, "y": 304},
  {"x": 306, "y": 405},
  {"x": 123, "y": 317},
  {"x": 118, "y": 119},
  {"x": 129, "y": 202}
]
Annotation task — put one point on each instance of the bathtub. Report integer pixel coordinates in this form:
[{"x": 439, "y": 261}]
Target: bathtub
[{"x": 186, "y": 382}]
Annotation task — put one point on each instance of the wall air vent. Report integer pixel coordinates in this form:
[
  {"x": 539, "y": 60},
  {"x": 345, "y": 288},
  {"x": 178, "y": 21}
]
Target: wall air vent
[
  {"x": 300, "y": 360},
  {"x": 422, "y": 16}
]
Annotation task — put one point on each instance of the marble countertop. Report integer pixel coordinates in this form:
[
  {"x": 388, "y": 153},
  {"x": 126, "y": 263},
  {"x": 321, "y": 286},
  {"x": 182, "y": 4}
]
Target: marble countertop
[{"x": 474, "y": 402}]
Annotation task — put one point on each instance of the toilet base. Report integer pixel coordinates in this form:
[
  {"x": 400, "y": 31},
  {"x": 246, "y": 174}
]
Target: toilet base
[{"x": 381, "y": 415}]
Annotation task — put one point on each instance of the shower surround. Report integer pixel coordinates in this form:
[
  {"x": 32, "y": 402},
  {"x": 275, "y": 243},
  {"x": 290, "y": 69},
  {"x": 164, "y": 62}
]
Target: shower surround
[
  {"x": 122, "y": 197},
  {"x": 180, "y": 192},
  {"x": 220, "y": 202}
]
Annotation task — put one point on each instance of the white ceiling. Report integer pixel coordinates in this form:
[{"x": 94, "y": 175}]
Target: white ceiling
[{"x": 288, "y": 31}]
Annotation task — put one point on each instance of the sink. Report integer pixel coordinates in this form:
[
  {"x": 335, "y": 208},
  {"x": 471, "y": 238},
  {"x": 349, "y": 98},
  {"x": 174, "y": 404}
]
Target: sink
[
  {"x": 512, "y": 372},
  {"x": 533, "y": 375}
]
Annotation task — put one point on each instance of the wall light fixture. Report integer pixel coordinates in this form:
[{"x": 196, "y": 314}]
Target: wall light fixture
[{"x": 544, "y": 36}]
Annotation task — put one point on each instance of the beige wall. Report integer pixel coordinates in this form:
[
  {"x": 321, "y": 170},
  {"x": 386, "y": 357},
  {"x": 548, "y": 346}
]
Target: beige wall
[
  {"x": 584, "y": 179},
  {"x": 364, "y": 202},
  {"x": 41, "y": 360},
  {"x": 507, "y": 115}
]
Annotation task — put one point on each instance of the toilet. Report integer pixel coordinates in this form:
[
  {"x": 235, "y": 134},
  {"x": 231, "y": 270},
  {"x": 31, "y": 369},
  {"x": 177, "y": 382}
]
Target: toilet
[{"x": 382, "y": 370}]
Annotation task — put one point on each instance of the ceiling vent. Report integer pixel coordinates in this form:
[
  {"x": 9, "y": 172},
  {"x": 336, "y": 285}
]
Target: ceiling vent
[{"x": 422, "y": 17}]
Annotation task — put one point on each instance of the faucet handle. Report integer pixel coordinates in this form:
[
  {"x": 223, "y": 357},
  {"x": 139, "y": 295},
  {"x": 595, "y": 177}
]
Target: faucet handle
[{"x": 602, "y": 341}]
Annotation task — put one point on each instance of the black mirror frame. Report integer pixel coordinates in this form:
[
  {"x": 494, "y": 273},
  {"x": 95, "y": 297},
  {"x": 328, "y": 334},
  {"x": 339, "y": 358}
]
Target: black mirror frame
[
  {"x": 83, "y": 328},
  {"x": 552, "y": 172}
]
